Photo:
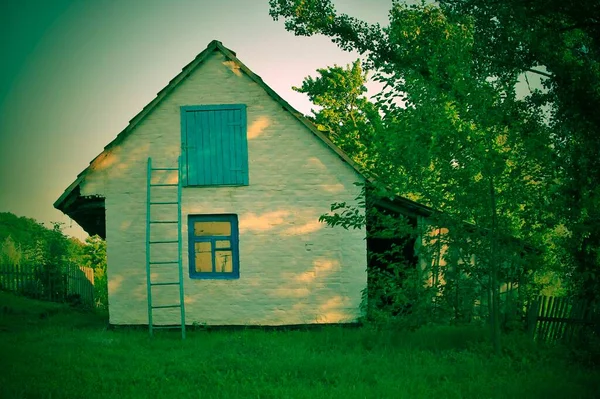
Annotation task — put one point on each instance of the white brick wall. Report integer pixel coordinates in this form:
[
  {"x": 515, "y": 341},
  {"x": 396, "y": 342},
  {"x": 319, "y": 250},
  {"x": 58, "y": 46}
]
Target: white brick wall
[{"x": 293, "y": 269}]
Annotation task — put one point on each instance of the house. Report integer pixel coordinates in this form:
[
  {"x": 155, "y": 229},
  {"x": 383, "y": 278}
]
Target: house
[{"x": 255, "y": 177}]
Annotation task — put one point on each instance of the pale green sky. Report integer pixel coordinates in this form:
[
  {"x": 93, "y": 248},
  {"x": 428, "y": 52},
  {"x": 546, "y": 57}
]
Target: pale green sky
[{"x": 74, "y": 72}]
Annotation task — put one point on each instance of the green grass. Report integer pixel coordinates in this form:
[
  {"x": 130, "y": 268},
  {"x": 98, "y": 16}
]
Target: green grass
[{"x": 52, "y": 351}]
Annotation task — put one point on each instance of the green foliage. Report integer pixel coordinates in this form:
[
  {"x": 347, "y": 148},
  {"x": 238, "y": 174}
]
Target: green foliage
[
  {"x": 94, "y": 256},
  {"x": 563, "y": 38},
  {"x": 34, "y": 244},
  {"x": 345, "y": 114},
  {"x": 48, "y": 253},
  {"x": 30, "y": 247},
  {"x": 455, "y": 134},
  {"x": 52, "y": 263},
  {"x": 20, "y": 229},
  {"x": 10, "y": 252}
]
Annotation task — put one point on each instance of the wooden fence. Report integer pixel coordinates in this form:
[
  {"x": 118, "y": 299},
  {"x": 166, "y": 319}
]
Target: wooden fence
[
  {"x": 73, "y": 283},
  {"x": 554, "y": 319}
]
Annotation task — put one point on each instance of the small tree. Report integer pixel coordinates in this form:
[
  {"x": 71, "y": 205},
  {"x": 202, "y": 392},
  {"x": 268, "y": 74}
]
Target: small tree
[
  {"x": 94, "y": 256},
  {"x": 345, "y": 115},
  {"x": 10, "y": 258},
  {"x": 52, "y": 255},
  {"x": 10, "y": 252}
]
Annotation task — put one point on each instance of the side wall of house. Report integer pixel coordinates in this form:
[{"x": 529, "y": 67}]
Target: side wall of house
[{"x": 293, "y": 269}]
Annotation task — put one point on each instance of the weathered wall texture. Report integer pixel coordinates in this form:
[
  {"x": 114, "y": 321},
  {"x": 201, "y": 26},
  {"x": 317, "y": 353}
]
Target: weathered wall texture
[{"x": 293, "y": 269}]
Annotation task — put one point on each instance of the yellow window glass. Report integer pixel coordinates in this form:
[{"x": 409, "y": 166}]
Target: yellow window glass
[
  {"x": 222, "y": 244},
  {"x": 212, "y": 229},
  {"x": 203, "y": 257},
  {"x": 224, "y": 261}
]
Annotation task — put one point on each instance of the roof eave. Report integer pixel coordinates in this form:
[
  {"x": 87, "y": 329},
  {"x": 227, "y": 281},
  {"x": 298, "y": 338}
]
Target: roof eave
[
  {"x": 307, "y": 123},
  {"x": 186, "y": 70}
]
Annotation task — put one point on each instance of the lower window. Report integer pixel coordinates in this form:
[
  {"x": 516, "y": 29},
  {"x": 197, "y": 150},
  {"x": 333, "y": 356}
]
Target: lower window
[{"x": 213, "y": 246}]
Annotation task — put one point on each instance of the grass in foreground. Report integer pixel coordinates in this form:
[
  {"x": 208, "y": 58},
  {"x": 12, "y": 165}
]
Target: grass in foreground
[{"x": 52, "y": 351}]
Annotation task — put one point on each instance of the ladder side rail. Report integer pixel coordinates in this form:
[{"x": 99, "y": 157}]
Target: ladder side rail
[
  {"x": 148, "y": 278},
  {"x": 180, "y": 247}
]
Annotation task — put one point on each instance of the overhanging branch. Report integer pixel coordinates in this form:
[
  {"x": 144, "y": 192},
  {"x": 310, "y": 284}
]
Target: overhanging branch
[{"x": 539, "y": 72}]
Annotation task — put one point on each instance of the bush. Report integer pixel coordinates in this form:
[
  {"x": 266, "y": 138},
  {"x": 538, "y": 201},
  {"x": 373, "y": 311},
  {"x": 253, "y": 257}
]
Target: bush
[
  {"x": 401, "y": 303},
  {"x": 101, "y": 289},
  {"x": 586, "y": 350},
  {"x": 33, "y": 289}
]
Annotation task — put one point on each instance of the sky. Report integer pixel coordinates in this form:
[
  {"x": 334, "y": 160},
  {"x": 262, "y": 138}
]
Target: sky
[{"x": 74, "y": 72}]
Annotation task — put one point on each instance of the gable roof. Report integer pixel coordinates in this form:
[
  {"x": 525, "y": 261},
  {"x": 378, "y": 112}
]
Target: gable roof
[
  {"x": 72, "y": 202},
  {"x": 214, "y": 45}
]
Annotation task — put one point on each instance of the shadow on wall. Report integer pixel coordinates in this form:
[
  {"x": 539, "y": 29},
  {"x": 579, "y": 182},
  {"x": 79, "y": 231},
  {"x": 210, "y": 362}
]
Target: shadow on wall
[
  {"x": 120, "y": 165},
  {"x": 310, "y": 284}
]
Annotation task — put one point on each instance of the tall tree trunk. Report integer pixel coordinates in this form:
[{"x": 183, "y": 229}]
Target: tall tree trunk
[{"x": 494, "y": 304}]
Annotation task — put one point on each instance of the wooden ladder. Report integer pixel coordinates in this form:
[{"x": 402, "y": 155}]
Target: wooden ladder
[{"x": 162, "y": 244}]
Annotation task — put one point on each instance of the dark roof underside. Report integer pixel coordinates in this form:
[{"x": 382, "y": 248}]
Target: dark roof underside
[{"x": 87, "y": 211}]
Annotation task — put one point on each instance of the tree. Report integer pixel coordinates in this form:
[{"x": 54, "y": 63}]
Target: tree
[
  {"x": 23, "y": 230},
  {"x": 346, "y": 115},
  {"x": 564, "y": 39},
  {"x": 94, "y": 253},
  {"x": 94, "y": 256},
  {"x": 454, "y": 133},
  {"x": 10, "y": 253},
  {"x": 47, "y": 253}
]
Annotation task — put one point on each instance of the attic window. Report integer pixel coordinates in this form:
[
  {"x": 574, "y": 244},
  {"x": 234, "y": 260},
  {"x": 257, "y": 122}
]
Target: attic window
[{"x": 215, "y": 147}]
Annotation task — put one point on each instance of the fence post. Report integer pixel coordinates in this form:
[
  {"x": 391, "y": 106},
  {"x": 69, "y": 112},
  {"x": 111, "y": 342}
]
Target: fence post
[{"x": 532, "y": 315}]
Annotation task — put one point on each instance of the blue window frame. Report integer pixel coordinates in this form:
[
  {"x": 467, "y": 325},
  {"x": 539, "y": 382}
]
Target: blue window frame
[
  {"x": 213, "y": 246},
  {"x": 214, "y": 145}
]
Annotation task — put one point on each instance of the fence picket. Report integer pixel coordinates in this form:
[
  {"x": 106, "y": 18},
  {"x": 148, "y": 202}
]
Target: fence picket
[
  {"x": 556, "y": 330},
  {"x": 556, "y": 326},
  {"x": 565, "y": 316},
  {"x": 53, "y": 285},
  {"x": 542, "y": 306},
  {"x": 575, "y": 312},
  {"x": 553, "y": 319},
  {"x": 553, "y": 315},
  {"x": 547, "y": 313}
]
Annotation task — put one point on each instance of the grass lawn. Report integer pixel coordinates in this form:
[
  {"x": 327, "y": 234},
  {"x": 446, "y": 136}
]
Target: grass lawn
[{"x": 51, "y": 351}]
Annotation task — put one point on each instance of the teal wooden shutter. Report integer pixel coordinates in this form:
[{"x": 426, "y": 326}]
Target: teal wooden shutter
[{"x": 215, "y": 145}]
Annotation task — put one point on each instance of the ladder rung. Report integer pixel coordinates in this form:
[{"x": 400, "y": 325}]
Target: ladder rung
[
  {"x": 166, "y": 327},
  {"x": 171, "y": 265},
  {"x": 170, "y": 283},
  {"x": 166, "y": 306}
]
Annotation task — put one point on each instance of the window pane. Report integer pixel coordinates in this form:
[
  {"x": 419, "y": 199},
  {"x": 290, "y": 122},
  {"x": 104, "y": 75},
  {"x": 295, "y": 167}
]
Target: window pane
[
  {"x": 224, "y": 261},
  {"x": 202, "y": 246},
  {"x": 212, "y": 229},
  {"x": 203, "y": 257},
  {"x": 223, "y": 244}
]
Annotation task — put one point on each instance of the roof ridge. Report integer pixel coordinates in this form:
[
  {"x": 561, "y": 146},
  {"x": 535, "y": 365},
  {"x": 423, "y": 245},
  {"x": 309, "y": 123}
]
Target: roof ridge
[{"x": 173, "y": 83}]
